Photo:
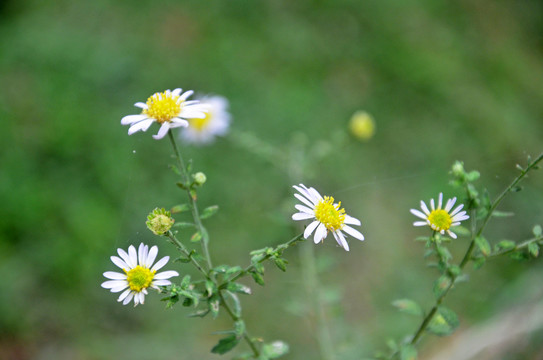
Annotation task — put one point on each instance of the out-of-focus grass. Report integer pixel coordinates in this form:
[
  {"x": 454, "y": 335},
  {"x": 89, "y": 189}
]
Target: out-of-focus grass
[{"x": 444, "y": 81}]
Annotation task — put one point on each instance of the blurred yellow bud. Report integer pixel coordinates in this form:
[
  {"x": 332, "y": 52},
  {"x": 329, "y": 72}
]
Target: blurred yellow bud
[
  {"x": 362, "y": 125},
  {"x": 159, "y": 221}
]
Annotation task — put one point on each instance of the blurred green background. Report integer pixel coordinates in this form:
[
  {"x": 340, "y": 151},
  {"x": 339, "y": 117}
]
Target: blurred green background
[{"x": 444, "y": 81}]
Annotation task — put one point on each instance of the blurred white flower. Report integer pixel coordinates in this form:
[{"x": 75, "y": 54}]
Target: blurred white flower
[
  {"x": 169, "y": 108},
  {"x": 203, "y": 131},
  {"x": 439, "y": 219},
  {"x": 327, "y": 216},
  {"x": 138, "y": 273}
]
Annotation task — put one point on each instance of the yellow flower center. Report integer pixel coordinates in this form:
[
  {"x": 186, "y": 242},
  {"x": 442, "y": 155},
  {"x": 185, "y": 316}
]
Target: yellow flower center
[
  {"x": 440, "y": 220},
  {"x": 139, "y": 278},
  {"x": 329, "y": 214},
  {"x": 200, "y": 124},
  {"x": 163, "y": 106}
]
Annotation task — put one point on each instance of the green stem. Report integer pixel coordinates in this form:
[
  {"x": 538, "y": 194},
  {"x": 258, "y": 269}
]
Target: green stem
[
  {"x": 518, "y": 247},
  {"x": 185, "y": 252},
  {"x": 313, "y": 289},
  {"x": 192, "y": 199}
]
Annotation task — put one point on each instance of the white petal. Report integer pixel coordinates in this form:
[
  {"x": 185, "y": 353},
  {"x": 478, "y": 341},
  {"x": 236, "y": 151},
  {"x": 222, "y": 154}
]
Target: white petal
[
  {"x": 304, "y": 200},
  {"x": 161, "y": 282},
  {"x": 420, "y": 223},
  {"x": 124, "y": 295},
  {"x": 451, "y": 234},
  {"x": 310, "y": 228},
  {"x": 302, "y": 216},
  {"x": 450, "y": 204},
  {"x": 142, "y": 298},
  {"x": 160, "y": 263},
  {"x": 120, "y": 263},
  {"x": 128, "y": 298},
  {"x": 177, "y": 122},
  {"x": 440, "y": 201},
  {"x": 186, "y": 94},
  {"x": 166, "y": 275},
  {"x": 124, "y": 255},
  {"x": 424, "y": 208},
  {"x": 320, "y": 233},
  {"x": 114, "y": 275},
  {"x": 418, "y": 213},
  {"x": 304, "y": 209},
  {"x": 130, "y": 119},
  {"x": 192, "y": 114},
  {"x": 141, "y": 105},
  {"x": 432, "y": 204},
  {"x": 305, "y": 192},
  {"x": 111, "y": 284},
  {"x": 151, "y": 256},
  {"x": 177, "y": 92},
  {"x": 342, "y": 240},
  {"x": 460, "y": 207},
  {"x": 315, "y": 194},
  {"x": 142, "y": 125},
  {"x": 351, "y": 220},
  {"x": 141, "y": 252},
  {"x": 162, "y": 131},
  {"x": 354, "y": 233},
  {"x": 133, "y": 256}
]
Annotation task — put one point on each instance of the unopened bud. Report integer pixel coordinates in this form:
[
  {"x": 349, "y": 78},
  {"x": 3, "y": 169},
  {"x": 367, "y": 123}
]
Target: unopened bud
[
  {"x": 159, "y": 221},
  {"x": 199, "y": 178}
]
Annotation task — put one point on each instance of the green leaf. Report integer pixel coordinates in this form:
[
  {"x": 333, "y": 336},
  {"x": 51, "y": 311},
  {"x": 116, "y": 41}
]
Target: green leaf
[
  {"x": 258, "y": 278},
  {"x": 478, "y": 262},
  {"x": 225, "y": 345},
  {"x": 238, "y": 288},
  {"x": 209, "y": 211},
  {"x": 505, "y": 245},
  {"x": 516, "y": 188},
  {"x": 441, "y": 285},
  {"x": 408, "y": 306},
  {"x": 221, "y": 269},
  {"x": 197, "y": 236},
  {"x": 199, "y": 313},
  {"x": 537, "y": 230},
  {"x": 275, "y": 349},
  {"x": 185, "y": 283},
  {"x": 183, "y": 225},
  {"x": 214, "y": 303},
  {"x": 483, "y": 245},
  {"x": 236, "y": 304},
  {"x": 280, "y": 263},
  {"x": 472, "y": 175},
  {"x": 497, "y": 213},
  {"x": 233, "y": 270},
  {"x": 211, "y": 288},
  {"x": 180, "y": 208},
  {"x": 533, "y": 249},
  {"x": 444, "y": 322},
  {"x": 408, "y": 352}
]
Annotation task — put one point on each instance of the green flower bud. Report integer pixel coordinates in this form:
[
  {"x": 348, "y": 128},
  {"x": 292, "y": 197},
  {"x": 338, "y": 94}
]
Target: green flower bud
[
  {"x": 159, "y": 221},
  {"x": 458, "y": 169},
  {"x": 199, "y": 178}
]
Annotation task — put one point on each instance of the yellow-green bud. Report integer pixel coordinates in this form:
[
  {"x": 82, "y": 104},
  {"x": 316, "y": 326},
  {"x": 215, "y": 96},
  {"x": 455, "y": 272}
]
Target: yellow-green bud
[
  {"x": 199, "y": 178},
  {"x": 362, "y": 125},
  {"x": 159, "y": 221},
  {"x": 458, "y": 169}
]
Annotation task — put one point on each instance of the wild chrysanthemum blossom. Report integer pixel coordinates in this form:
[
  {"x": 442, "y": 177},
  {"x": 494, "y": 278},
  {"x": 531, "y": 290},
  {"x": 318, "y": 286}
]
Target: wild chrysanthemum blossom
[
  {"x": 139, "y": 273},
  {"x": 439, "y": 219},
  {"x": 169, "y": 108},
  {"x": 216, "y": 122},
  {"x": 327, "y": 216}
]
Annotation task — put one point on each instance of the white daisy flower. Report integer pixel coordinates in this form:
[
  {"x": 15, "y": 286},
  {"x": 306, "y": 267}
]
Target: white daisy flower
[
  {"x": 327, "y": 216},
  {"x": 203, "y": 131},
  {"x": 169, "y": 108},
  {"x": 139, "y": 273},
  {"x": 439, "y": 219}
]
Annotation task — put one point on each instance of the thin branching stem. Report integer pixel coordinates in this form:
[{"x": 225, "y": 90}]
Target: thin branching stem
[
  {"x": 192, "y": 199},
  {"x": 468, "y": 255}
]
